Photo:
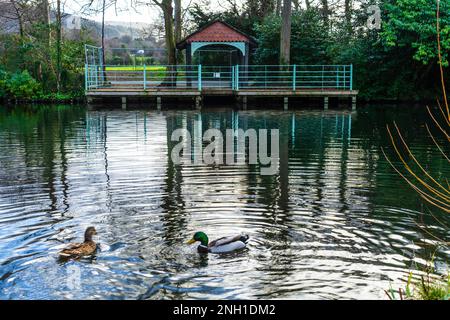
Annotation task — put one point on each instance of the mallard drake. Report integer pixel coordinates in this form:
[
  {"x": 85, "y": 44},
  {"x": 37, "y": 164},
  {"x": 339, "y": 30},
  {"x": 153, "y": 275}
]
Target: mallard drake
[
  {"x": 222, "y": 245},
  {"x": 78, "y": 250}
]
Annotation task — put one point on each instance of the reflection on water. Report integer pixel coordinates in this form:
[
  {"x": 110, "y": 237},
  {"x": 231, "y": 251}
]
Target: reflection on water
[{"x": 335, "y": 222}]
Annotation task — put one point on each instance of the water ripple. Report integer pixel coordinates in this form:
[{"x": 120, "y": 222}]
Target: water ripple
[{"x": 335, "y": 222}]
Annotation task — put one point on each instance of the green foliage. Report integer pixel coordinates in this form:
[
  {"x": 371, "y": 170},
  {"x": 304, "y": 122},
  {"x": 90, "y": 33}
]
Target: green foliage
[
  {"x": 309, "y": 39},
  {"x": 22, "y": 85},
  {"x": 412, "y": 24},
  {"x": 426, "y": 287},
  {"x": 397, "y": 62},
  {"x": 54, "y": 97},
  {"x": 3, "y": 79},
  {"x": 199, "y": 18},
  {"x": 430, "y": 287},
  {"x": 35, "y": 55},
  {"x": 433, "y": 290}
]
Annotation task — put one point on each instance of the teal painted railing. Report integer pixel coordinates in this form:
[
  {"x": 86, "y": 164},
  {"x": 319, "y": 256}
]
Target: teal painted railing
[
  {"x": 236, "y": 78},
  {"x": 296, "y": 77}
]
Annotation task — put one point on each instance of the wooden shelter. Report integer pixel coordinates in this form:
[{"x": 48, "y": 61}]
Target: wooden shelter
[{"x": 218, "y": 34}]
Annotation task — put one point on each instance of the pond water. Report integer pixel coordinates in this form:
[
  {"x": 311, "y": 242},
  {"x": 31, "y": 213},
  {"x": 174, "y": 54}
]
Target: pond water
[{"x": 335, "y": 221}]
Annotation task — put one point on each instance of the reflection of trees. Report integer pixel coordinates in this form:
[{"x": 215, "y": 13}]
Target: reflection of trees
[
  {"x": 313, "y": 178},
  {"x": 40, "y": 131},
  {"x": 104, "y": 133},
  {"x": 64, "y": 165},
  {"x": 174, "y": 216},
  {"x": 418, "y": 174},
  {"x": 277, "y": 201},
  {"x": 49, "y": 160}
]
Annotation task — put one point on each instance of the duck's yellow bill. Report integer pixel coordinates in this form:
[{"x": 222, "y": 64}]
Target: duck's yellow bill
[{"x": 191, "y": 241}]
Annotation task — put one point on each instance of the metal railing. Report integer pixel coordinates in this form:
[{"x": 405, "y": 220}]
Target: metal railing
[{"x": 239, "y": 77}]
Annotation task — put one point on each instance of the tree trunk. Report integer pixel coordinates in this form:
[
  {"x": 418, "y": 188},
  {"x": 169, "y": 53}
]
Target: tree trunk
[
  {"x": 19, "y": 14},
  {"x": 46, "y": 20},
  {"x": 167, "y": 8},
  {"x": 103, "y": 43},
  {"x": 169, "y": 36},
  {"x": 278, "y": 7},
  {"x": 58, "y": 45},
  {"x": 21, "y": 29},
  {"x": 177, "y": 6},
  {"x": 307, "y": 4},
  {"x": 177, "y": 26},
  {"x": 325, "y": 13},
  {"x": 348, "y": 15},
  {"x": 103, "y": 32},
  {"x": 285, "y": 36}
]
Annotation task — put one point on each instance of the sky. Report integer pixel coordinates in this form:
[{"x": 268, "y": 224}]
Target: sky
[{"x": 126, "y": 13}]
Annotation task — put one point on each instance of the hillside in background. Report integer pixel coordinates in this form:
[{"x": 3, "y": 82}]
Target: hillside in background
[{"x": 72, "y": 24}]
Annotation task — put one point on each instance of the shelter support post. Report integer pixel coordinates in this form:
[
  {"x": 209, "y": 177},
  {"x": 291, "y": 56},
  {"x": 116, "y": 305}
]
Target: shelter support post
[
  {"x": 285, "y": 103},
  {"x": 353, "y": 103},
  {"x": 158, "y": 103},
  {"x": 198, "y": 102}
]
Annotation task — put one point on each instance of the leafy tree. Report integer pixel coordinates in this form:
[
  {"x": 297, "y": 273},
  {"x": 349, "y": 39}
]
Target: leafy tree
[
  {"x": 309, "y": 40},
  {"x": 3, "y": 79},
  {"x": 21, "y": 85},
  {"x": 411, "y": 24}
]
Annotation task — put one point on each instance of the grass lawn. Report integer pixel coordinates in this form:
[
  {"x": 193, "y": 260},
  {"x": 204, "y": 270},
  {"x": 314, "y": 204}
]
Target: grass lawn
[{"x": 135, "y": 68}]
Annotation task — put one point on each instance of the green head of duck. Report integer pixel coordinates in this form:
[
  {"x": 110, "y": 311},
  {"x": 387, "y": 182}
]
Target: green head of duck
[{"x": 200, "y": 236}]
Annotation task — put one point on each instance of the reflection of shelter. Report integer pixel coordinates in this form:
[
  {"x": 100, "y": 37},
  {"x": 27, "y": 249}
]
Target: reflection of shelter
[{"x": 214, "y": 39}]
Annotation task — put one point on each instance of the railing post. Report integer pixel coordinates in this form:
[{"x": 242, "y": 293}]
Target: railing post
[
  {"x": 337, "y": 76},
  {"x": 145, "y": 77},
  {"x": 237, "y": 78},
  {"x": 86, "y": 87},
  {"x": 265, "y": 76},
  {"x": 232, "y": 78},
  {"x": 102, "y": 73},
  {"x": 323, "y": 73},
  {"x": 199, "y": 77},
  {"x": 96, "y": 76},
  {"x": 294, "y": 77},
  {"x": 351, "y": 77}
]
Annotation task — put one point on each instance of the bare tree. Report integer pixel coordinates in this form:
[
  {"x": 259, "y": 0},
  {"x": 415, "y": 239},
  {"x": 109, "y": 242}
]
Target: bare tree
[
  {"x": 260, "y": 8},
  {"x": 278, "y": 7},
  {"x": 177, "y": 26},
  {"x": 45, "y": 11},
  {"x": 325, "y": 12},
  {"x": 285, "y": 36},
  {"x": 348, "y": 6},
  {"x": 58, "y": 45},
  {"x": 177, "y": 20},
  {"x": 17, "y": 13},
  {"x": 92, "y": 7},
  {"x": 307, "y": 4},
  {"x": 103, "y": 35},
  {"x": 166, "y": 7},
  {"x": 44, "y": 14}
]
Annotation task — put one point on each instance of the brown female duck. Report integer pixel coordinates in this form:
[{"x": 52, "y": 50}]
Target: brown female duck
[{"x": 78, "y": 250}]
